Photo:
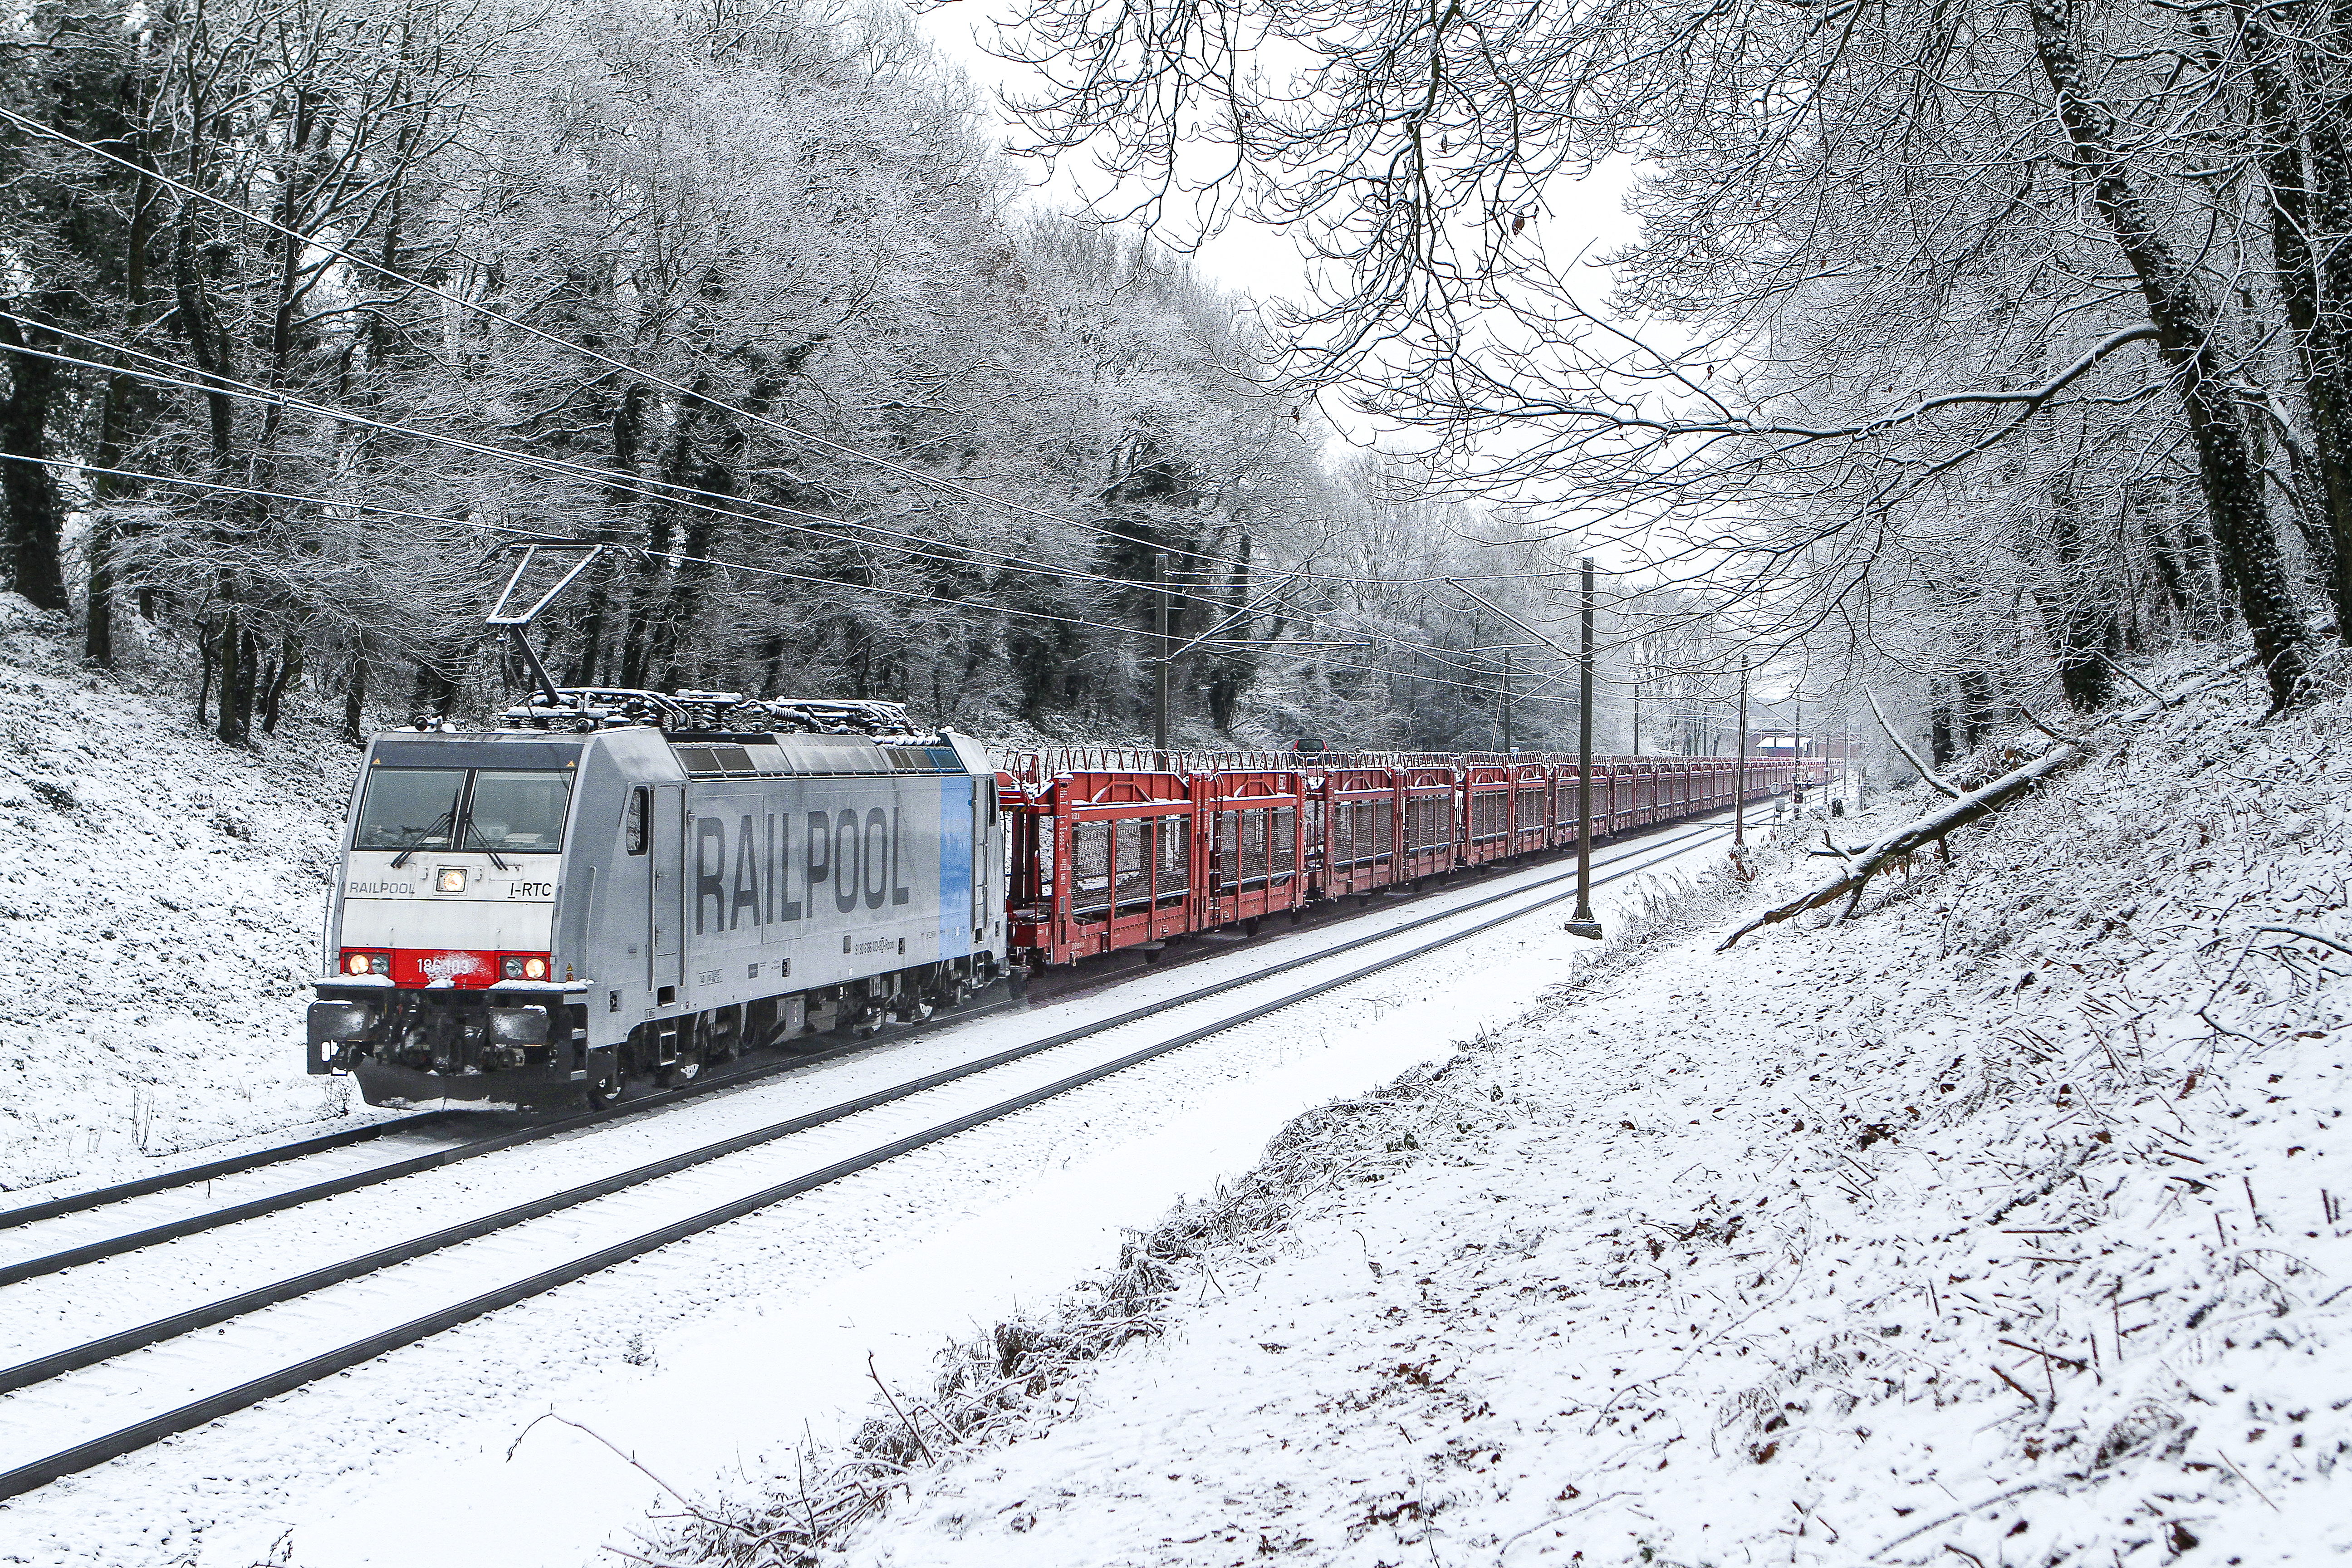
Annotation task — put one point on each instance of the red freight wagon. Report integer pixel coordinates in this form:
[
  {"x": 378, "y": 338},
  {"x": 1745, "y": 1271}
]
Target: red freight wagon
[
  {"x": 1101, "y": 861},
  {"x": 1613, "y": 799},
  {"x": 1531, "y": 817},
  {"x": 1486, "y": 791},
  {"x": 1357, "y": 813},
  {"x": 1256, "y": 853},
  {"x": 1114, "y": 848},
  {"x": 1430, "y": 796}
]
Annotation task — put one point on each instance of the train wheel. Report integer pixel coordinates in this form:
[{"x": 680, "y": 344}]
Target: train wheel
[
  {"x": 868, "y": 1022},
  {"x": 914, "y": 1008},
  {"x": 724, "y": 1039},
  {"x": 602, "y": 1090}
]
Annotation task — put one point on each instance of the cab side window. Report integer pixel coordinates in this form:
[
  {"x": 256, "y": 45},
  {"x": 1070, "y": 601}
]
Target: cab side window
[{"x": 637, "y": 827}]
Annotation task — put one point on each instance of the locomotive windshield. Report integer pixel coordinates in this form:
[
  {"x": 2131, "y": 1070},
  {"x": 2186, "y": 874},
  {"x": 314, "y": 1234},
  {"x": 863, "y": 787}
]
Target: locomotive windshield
[
  {"x": 410, "y": 808},
  {"x": 501, "y": 810},
  {"x": 516, "y": 813}
]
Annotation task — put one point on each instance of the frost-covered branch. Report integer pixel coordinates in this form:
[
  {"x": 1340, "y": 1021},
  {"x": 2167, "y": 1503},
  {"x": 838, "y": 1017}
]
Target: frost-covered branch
[{"x": 1936, "y": 825}]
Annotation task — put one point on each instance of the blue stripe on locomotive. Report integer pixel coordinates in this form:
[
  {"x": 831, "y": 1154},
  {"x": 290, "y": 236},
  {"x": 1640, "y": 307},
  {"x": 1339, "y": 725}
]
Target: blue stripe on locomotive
[{"x": 955, "y": 865}]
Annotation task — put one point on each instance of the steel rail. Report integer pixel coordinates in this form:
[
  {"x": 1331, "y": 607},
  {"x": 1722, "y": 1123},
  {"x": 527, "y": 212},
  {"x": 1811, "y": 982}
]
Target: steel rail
[
  {"x": 139, "y": 1434},
  {"x": 392, "y": 1170},
  {"x": 165, "y": 1181}
]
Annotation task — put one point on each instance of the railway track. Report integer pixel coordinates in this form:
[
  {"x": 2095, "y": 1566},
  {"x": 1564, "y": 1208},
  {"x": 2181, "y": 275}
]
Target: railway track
[
  {"x": 64, "y": 1385},
  {"x": 158, "y": 1208}
]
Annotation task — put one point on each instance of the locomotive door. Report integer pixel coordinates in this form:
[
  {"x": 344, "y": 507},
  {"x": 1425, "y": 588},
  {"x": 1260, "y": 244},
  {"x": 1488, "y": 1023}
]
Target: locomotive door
[
  {"x": 669, "y": 889},
  {"x": 983, "y": 843}
]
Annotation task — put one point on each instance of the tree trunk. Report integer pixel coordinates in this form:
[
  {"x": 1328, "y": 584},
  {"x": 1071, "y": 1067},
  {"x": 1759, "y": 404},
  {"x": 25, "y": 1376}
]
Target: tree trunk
[
  {"x": 35, "y": 512},
  {"x": 1980, "y": 711},
  {"x": 289, "y": 665},
  {"x": 355, "y": 695},
  {"x": 233, "y": 637},
  {"x": 205, "y": 680},
  {"x": 435, "y": 695},
  {"x": 2299, "y": 195},
  {"x": 2329, "y": 219},
  {"x": 124, "y": 402},
  {"x": 2233, "y": 493},
  {"x": 2084, "y": 620},
  {"x": 206, "y": 345},
  {"x": 249, "y": 669}
]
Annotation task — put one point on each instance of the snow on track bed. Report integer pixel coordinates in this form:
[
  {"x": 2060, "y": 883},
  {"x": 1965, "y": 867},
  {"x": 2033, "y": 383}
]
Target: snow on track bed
[
  {"x": 49, "y": 1315},
  {"x": 87, "y": 1405},
  {"x": 2003, "y": 1225},
  {"x": 191, "y": 1203},
  {"x": 594, "y": 1322}
]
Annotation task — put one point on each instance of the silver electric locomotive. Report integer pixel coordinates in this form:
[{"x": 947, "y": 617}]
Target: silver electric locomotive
[{"x": 528, "y": 916}]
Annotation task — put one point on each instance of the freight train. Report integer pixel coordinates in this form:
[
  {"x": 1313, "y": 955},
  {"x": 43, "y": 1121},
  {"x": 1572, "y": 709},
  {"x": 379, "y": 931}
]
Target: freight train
[{"x": 616, "y": 888}]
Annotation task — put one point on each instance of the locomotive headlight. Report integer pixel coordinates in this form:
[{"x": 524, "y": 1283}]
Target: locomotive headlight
[
  {"x": 357, "y": 963},
  {"x": 510, "y": 969},
  {"x": 451, "y": 879},
  {"x": 534, "y": 969}
]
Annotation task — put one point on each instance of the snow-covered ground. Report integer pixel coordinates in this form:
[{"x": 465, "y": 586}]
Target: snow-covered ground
[
  {"x": 2004, "y": 1225},
  {"x": 160, "y": 908}
]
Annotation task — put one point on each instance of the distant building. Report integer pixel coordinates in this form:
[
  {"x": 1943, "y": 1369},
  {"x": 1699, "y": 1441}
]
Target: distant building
[{"x": 1787, "y": 745}]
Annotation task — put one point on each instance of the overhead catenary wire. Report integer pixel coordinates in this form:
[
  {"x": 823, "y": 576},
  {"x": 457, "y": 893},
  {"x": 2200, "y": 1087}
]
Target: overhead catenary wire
[
  {"x": 550, "y": 465},
  {"x": 842, "y": 449},
  {"x": 651, "y": 489},
  {"x": 1428, "y": 680},
  {"x": 688, "y": 496},
  {"x": 677, "y": 495},
  {"x": 662, "y": 490},
  {"x": 332, "y": 502},
  {"x": 67, "y": 466},
  {"x": 319, "y": 243}
]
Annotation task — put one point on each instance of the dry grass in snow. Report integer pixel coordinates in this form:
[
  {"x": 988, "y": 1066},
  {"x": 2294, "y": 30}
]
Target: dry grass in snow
[{"x": 2004, "y": 1225}]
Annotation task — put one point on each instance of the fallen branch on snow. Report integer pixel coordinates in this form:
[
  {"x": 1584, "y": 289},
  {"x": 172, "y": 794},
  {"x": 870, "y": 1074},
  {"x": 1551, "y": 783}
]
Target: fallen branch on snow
[
  {"x": 1964, "y": 809},
  {"x": 1904, "y": 746}
]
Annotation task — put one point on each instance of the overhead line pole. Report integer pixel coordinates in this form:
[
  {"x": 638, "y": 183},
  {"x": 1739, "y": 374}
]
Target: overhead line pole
[
  {"x": 1739, "y": 768},
  {"x": 1581, "y": 923},
  {"x": 1508, "y": 747},
  {"x": 1167, "y": 656}
]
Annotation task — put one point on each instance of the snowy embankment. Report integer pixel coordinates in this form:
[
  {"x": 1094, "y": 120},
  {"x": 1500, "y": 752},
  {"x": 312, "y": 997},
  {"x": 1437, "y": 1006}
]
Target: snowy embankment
[
  {"x": 159, "y": 906},
  {"x": 2002, "y": 1224}
]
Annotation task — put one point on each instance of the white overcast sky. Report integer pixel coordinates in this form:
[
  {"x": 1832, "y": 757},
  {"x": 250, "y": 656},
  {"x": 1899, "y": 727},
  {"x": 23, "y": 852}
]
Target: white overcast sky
[{"x": 1245, "y": 258}]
